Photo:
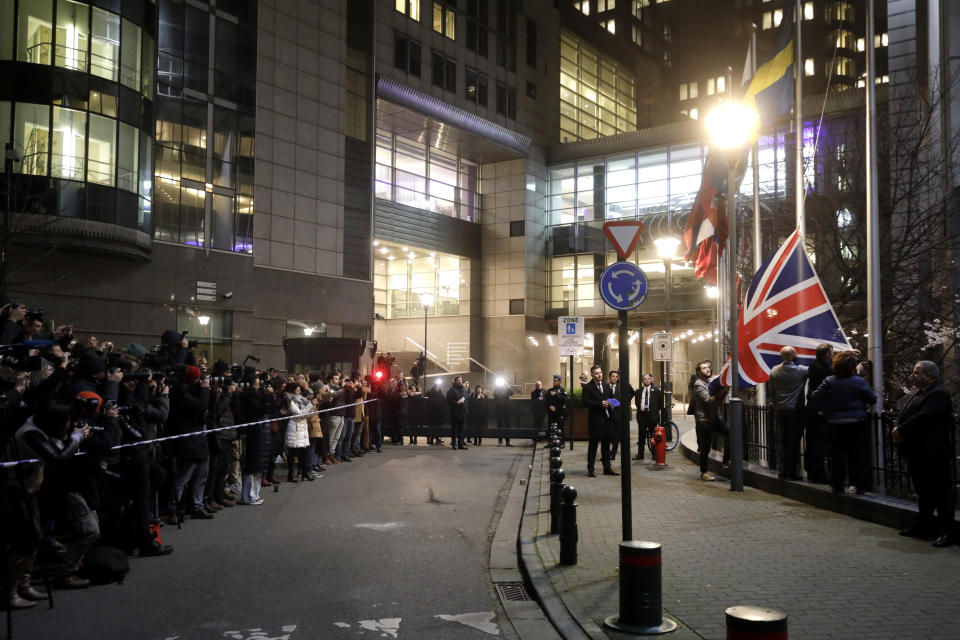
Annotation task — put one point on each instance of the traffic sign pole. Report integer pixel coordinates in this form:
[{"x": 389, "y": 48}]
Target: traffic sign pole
[{"x": 626, "y": 505}]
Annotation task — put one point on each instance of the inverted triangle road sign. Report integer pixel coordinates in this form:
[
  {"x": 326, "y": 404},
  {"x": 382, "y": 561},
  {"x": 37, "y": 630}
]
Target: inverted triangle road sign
[{"x": 623, "y": 235}]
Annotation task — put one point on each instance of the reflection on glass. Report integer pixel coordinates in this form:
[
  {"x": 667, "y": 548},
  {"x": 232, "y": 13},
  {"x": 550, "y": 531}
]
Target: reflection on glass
[
  {"x": 221, "y": 222},
  {"x": 72, "y": 35},
  {"x": 127, "y": 156},
  {"x": 130, "y": 56},
  {"x": 35, "y": 31},
  {"x": 69, "y": 139},
  {"x": 6, "y": 32},
  {"x": 31, "y": 135},
  {"x": 105, "y": 45},
  {"x": 192, "y": 212},
  {"x": 101, "y": 158}
]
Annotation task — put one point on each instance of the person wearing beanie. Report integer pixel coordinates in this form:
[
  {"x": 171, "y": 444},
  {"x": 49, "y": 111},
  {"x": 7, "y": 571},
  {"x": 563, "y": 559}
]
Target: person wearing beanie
[
  {"x": 189, "y": 400},
  {"x": 175, "y": 349},
  {"x": 136, "y": 350}
]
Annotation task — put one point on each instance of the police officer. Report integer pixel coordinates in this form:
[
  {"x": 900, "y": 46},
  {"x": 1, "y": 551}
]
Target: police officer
[{"x": 555, "y": 401}]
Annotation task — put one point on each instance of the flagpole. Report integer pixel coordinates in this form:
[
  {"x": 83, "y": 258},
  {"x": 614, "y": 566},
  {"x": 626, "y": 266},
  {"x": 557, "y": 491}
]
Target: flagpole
[
  {"x": 874, "y": 318},
  {"x": 798, "y": 69},
  {"x": 735, "y": 405},
  {"x": 757, "y": 232}
]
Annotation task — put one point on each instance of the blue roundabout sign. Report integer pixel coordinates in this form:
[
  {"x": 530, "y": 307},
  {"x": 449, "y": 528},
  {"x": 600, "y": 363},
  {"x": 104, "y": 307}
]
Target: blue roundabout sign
[{"x": 623, "y": 286}]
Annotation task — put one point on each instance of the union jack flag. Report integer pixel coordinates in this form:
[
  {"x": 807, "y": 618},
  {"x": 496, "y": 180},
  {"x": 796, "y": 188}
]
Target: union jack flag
[{"x": 785, "y": 306}]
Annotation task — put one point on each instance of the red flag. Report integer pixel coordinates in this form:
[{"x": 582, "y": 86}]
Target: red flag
[{"x": 706, "y": 231}]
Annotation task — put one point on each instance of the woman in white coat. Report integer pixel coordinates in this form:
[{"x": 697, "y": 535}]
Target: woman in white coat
[{"x": 298, "y": 431}]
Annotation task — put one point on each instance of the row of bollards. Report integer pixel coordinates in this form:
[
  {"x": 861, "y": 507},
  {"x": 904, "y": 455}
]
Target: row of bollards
[
  {"x": 641, "y": 576},
  {"x": 563, "y": 500}
]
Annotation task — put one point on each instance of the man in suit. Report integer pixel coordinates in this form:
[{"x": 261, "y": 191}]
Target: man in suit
[
  {"x": 596, "y": 395},
  {"x": 625, "y": 402},
  {"x": 923, "y": 436},
  {"x": 649, "y": 401},
  {"x": 786, "y": 390},
  {"x": 457, "y": 399}
]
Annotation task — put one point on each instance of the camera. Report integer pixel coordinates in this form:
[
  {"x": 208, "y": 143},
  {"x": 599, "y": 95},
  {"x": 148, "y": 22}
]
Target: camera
[{"x": 143, "y": 374}]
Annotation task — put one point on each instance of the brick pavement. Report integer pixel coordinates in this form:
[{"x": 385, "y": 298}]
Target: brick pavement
[{"x": 836, "y": 577}]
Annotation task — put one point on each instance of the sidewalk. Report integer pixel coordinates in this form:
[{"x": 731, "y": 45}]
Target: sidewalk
[{"x": 835, "y": 576}]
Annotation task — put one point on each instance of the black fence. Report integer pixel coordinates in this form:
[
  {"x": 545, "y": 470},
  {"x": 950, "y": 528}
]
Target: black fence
[
  {"x": 887, "y": 470},
  {"x": 516, "y": 417}
]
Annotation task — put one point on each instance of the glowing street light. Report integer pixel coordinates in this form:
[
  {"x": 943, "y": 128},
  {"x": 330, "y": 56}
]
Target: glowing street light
[{"x": 731, "y": 126}]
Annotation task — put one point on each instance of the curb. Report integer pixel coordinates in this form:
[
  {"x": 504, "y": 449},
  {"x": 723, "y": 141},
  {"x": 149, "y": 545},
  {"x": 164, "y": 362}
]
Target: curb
[
  {"x": 889, "y": 512},
  {"x": 528, "y": 620}
]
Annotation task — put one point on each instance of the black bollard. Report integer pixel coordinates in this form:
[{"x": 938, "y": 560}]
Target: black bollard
[
  {"x": 556, "y": 500},
  {"x": 555, "y": 452},
  {"x": 556, "y": 463},
  {"x": 756, "y": 623},
  {"x": 568, "y": 527},
  {"x": 641, "y": 604}
]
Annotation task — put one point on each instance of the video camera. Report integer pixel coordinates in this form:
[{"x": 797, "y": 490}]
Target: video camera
[{"x": 17, "y": 356}]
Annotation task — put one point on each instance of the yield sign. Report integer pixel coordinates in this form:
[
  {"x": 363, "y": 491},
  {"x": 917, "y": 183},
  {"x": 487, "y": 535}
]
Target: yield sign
[{"x": 623, "y": 235}]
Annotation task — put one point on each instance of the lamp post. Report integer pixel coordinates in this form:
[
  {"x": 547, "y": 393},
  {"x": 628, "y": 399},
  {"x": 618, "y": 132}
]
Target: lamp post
[
  {"x": 426, "y": 301},
  {"x": 666, "y": 247},
  {"x": 731, "y": 126}
]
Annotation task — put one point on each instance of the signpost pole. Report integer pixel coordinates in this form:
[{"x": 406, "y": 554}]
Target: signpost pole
[
  {"x": 625, "y": 491},
  {"x": 569, "y": 402}
]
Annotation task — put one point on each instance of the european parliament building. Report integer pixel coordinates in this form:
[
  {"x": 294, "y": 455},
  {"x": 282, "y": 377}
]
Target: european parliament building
[{"x": 260, "y": 171}]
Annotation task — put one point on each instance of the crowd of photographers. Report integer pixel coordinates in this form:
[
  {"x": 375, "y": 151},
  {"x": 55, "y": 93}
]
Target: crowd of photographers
[{"x": 157, "y": 435}]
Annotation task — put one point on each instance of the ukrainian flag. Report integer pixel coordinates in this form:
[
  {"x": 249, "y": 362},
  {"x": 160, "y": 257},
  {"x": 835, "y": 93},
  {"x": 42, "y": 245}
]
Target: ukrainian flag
[{"x": 770, "y": 92}]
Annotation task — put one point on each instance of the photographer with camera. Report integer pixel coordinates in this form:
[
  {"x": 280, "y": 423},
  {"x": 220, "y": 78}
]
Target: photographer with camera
[
  {"x": 52, "y": 438},
  {"x": 256, "y": 438},
  {"x": 189, "y": 400},
  {"x": 176, "y": 349},
  {"x": 221, "y": 442}
]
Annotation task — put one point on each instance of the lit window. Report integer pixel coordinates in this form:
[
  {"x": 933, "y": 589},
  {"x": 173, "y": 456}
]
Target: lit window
[
  {"x": 880, "y": 40},
  {"x": 860, "y": 44},
  {"x": 711, "y": 85},
  {"x": 777, "y": 17},
  {"x": 693, "y": 90},
  {"x": 808, "y": 11},
  {"x": 72, "y": 35},
  {"x": 694, "y": 114},
  {"x": 721, "y": 84},
  {"x": 683, "y": 91},
  {"x": 105, "y": 45},
  {"x": 69, "y": 141},
  {"x": 583, "y": 6},
  {"x": 410, "y": 8},
  {"x": 767, "y": 22},
  {"x": 444, "y": 21},
  {"x": 101, "y": 152},
  {"x": 808, "y": 67},
  {"x": 612, "y": 25}
]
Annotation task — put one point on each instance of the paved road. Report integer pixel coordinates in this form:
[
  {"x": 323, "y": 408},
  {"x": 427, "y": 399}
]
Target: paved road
[{"x": 378, "y": 548}]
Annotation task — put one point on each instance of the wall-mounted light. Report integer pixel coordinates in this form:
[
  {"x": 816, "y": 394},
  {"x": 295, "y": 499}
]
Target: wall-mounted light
[{"x": 203, "y": 320}]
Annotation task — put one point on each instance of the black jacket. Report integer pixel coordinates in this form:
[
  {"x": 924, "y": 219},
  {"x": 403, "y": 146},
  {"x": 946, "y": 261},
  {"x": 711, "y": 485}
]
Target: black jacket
[
  {"x": 458, "y": 409},
  {"x": 599, "y": 420},
  {"x": 924, "y": 423},
  {"x": 188, "y": 406},
  {"x": 555, "y": 397},
  {"x": 655, "y": 402}
]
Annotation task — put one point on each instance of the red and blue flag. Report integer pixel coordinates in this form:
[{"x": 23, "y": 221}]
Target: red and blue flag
[{"x": 786, "y": 305}]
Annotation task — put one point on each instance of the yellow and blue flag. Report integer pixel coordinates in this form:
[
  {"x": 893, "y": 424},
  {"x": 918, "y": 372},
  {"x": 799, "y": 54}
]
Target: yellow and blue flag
[{"x": 770, "y": 90}]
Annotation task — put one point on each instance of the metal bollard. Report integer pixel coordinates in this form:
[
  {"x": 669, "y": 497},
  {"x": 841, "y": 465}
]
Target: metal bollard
[
  {"x": 556, "y": 463},
  {"x": 756, "y": 623},
  {"x": 568, "y": 527},
  {"x": 556, "y": 500},
  {"x": 555, "y": 452},
  {"x": 641, "y": 603}
]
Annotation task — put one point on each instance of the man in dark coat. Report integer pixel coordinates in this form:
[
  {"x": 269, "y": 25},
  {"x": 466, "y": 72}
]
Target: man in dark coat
[
  {"x": 817, "y": 431},
  {"x": 555, "y": 402},
  {"x": 649, "y": 401},
  {"x": 457, "y": 399},
  {"x": 596, "y": 395},
  {"x": 923, "y": 435},
  {"x": 536, "y": 405},
  {"x": 627, "y": 394},
  {"x": 189, "y": 400}
]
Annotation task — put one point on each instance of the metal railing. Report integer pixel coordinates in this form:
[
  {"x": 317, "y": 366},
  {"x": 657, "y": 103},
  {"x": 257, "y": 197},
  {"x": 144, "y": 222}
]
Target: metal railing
[{"x": 888, "y": 474}]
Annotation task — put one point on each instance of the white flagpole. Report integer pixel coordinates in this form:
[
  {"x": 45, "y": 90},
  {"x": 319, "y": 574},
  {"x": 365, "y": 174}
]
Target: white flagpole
[
  {"x": 798, "y": 69},
  {"x": 757, "y": 232},
  {"x": 874, "y": 318}
]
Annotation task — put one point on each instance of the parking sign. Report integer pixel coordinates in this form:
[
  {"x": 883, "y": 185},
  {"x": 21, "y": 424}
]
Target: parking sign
[{"x": 570, "y": 335}]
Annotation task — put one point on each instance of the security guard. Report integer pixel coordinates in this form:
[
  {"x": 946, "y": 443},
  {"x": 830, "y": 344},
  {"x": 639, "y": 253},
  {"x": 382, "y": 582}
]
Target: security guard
[{"x": 555, "y": 400}]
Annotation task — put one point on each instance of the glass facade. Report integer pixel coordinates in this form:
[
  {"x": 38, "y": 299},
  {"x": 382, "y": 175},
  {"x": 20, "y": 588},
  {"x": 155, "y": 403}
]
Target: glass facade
[
  {"x": 91, "y": 130},
  {"x": 205, "y": 126},
  {"x": 413, "y": 174},
  {"x": 403, "y": 274},
  {"x": 597, "y": 96}
]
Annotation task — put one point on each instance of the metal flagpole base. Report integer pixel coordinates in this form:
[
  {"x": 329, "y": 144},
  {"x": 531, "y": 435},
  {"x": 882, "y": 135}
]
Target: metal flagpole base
[{"x": 666, "y": 626}]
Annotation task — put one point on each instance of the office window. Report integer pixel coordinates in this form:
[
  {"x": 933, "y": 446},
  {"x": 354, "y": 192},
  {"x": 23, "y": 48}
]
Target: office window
[
  {"x": 101, "y": 153},
  {"x": 636, "y": 34},
  {"x": 475, "y": 87},
  {"x": 611, "y": 25},
  {"x": 411, "y": 8},
  {"x": 501, "y": 99},
  {"x": 808, "y": 69},
  {"x": 531, "y": 90},
  {"x": 808, "y": 11},
  {"x": 128, "y": 154},
  {"x": 711, "y": 86},
  {"x": 693, "y": 90},
  {"x": 444, "y": 21},
  {"x": 606, "y": 5},
  {"x": 444, "y": 72},
  {"x": 69, "y": 142},
  {"x": 6, "y": 31},
  {"x": 583, "y": 6},
  {"x": 31, "y": 134},
  {"x": 478, "y": 35},
  {"x": 407, "y": 55},
  {"x": 35, "y": 31},
  {"x": 683, "y": 91},
  {"x": 130, "y": 55},
  {"x": 105, "y": 45},
  {"x": 73, "y": 33},
  {"x": 507, "y": 34}
]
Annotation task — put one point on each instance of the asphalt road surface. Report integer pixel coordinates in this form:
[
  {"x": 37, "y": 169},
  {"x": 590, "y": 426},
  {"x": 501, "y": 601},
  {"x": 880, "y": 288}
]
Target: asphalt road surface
[{"x": 393, "y": 545}]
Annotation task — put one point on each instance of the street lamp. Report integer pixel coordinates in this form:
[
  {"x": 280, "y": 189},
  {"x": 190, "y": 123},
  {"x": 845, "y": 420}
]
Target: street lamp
[
  {"x": 666, "y": 248},
  {"x": 731, "y": 126},
  {"x": 426, "y": 301}
]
